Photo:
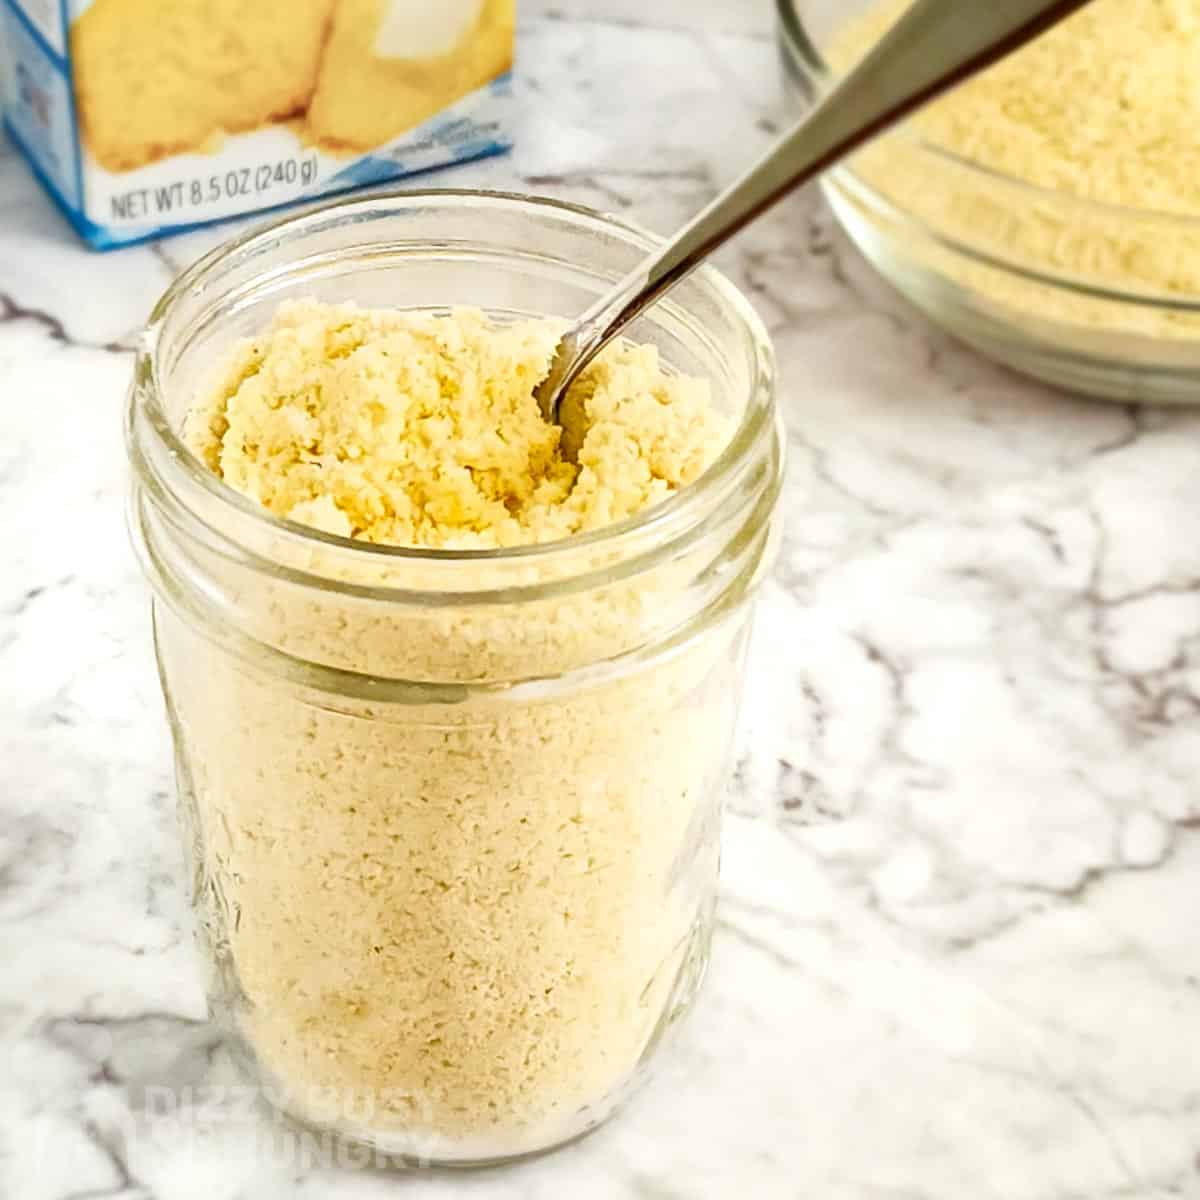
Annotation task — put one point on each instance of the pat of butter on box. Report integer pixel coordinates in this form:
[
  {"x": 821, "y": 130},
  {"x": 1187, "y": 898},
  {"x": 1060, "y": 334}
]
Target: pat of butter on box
[
  {"x": 418, "y": 29},
  {"x": 142, "y": 117}
]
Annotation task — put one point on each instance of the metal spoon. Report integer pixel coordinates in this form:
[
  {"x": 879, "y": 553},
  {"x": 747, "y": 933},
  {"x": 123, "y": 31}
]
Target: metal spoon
[{"x": 934, "y": 45}]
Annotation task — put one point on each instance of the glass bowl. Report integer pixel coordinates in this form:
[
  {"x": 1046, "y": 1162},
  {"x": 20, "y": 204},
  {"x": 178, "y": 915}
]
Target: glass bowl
[{"x": 1022, "y": 273}]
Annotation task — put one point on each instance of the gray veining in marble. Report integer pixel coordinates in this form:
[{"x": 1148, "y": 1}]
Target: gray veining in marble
[{"x": 958, "y": 955}]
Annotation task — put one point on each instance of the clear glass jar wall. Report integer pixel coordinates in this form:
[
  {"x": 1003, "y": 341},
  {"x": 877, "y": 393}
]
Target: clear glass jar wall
[{"x": 452, "y": 817}]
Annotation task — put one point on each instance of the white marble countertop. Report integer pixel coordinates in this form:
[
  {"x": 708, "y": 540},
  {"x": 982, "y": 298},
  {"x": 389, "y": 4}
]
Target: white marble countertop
[{"x": 959, "y": 951}]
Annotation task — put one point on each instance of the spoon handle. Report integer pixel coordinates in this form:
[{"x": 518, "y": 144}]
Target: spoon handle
[{"x": 934, "y": 45}]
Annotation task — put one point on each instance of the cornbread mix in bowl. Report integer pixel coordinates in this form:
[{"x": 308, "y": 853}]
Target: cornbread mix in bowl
[
  {"x": 452, "y": 714},
  {"x": 1048, "y": 210},
  {"x": 141, "y": 117}
]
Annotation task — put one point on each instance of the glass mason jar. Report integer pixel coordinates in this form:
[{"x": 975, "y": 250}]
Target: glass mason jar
[{"x": 452, "y": 817}]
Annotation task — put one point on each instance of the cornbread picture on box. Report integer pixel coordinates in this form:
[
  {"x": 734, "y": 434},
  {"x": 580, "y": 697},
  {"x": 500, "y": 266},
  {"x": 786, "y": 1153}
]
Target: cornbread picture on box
[{"x": 143, "y": 116}]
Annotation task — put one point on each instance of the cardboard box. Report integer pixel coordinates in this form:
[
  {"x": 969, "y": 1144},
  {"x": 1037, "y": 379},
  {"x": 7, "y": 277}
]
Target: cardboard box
[{"x": 143, "y": 117}]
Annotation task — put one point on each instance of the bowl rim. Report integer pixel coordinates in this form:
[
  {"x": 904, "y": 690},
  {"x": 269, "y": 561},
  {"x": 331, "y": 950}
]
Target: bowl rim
[{"x": 804, "y": 54}]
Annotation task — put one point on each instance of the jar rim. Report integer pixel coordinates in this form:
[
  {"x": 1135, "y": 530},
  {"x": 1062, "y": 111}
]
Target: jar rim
[{"x": 685, "y": 507}]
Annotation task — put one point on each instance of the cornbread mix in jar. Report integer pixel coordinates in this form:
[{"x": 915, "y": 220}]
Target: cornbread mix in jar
[
  {"x": 146, "y": 116},
  {"x": 452, "y": 714}
]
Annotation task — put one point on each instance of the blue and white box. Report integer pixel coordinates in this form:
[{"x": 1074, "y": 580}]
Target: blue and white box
[{"x": 144, "y": 117}]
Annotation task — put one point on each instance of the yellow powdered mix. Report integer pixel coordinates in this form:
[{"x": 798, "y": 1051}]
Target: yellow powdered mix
[
  {"x": 422, "y": 430},
  {"x": 453, "y": 924},
  {"x": 1103, "y": 108}
]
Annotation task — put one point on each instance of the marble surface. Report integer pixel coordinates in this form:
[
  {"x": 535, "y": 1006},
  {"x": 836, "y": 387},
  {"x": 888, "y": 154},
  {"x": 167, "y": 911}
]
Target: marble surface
[{"x": 958, "y": 953}]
